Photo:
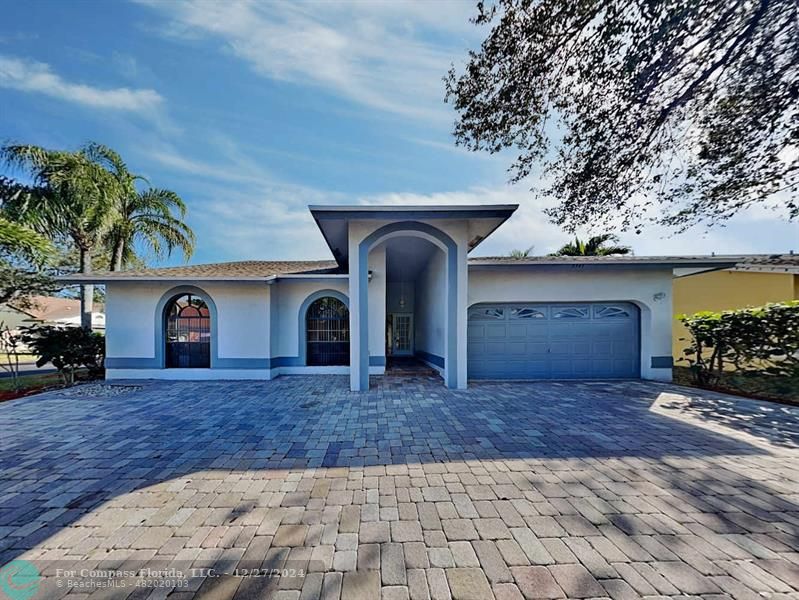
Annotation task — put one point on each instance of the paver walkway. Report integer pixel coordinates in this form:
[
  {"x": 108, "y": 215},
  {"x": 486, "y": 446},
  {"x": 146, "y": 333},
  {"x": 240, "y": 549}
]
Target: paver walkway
[{"x": 524, "y": 490}]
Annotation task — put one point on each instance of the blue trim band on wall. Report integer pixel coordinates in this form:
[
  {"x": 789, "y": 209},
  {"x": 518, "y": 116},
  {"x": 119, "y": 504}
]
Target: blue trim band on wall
[
  {"x": 433, "y": 359},
  {"x": 452, "y": 293},
  {"x": 242, "y": 363},
  {"x": 286, "y": 361},
  {"x": 124, "y": 362},
  {"x": 160, "y": 321},
  {"x": 121, "y": 362},
  {"x": 662, "y": 362},
  {"x": 302, "y": 344}
]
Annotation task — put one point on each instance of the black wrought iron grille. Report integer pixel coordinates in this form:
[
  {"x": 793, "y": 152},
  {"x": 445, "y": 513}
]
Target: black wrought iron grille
[
  {"x": 327, "y": 330},
  {"x": 188, "y": 334}
]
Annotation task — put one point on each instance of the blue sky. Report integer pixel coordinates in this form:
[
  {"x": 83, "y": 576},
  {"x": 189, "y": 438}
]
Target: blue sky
[{"x": 252, "y": 111}]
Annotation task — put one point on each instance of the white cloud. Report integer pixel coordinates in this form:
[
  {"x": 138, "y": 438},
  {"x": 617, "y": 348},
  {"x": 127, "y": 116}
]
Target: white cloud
[
  {"x": 263, "y": 217},
  {"x": 754, "y": 231},
  {"x": 377, "y": 54},
  {"x": 267, "y": 222},
  {"x": 244, "y": 211},
  {"x": 31, "y": 76}
]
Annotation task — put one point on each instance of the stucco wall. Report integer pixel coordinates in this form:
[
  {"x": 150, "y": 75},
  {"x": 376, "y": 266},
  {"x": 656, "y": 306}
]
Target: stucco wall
[
  {"x": 246, "y": 315},
  {"x": 242, "y": 313},
  {"x": 650, "y": 290},
  {"x": 725, "y": 290},
  {"x": 431, "y": 308},
  {"x": 134, "y": 334},
  {"x": 396, "y": 290},
  {"x": 287, "y": 299},
  {"x": 377, "y": 307}
]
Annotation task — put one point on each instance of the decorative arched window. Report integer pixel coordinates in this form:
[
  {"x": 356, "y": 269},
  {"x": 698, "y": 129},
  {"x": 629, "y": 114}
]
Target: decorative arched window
[
  {"x": 327, "y": 332},
  {"x": 188, "y": 333}
]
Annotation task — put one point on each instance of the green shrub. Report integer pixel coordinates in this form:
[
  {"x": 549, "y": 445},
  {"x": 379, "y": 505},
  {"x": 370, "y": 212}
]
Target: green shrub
[
  {"x": 68, "y": 348},
  {"x": 762, "y": 341}
]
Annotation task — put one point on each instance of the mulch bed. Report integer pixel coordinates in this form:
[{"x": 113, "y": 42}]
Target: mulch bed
[{"x": 683, "y": 378}]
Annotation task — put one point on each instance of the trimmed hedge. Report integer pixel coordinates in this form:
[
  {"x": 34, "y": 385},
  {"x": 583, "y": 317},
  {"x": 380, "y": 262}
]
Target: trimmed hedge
[{"x": 751, "y": 341}]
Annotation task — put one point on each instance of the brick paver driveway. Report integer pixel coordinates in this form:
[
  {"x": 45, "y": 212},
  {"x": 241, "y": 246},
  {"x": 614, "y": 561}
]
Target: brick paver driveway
[{"x": 535, "y": 490}]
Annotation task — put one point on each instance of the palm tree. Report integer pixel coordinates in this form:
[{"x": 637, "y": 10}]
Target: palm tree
[
  {"x": 147, "y": 217},
  {"x": 517, "y": 253},
  {"x": 595, "y": 246},
  {"x": 142, "y": 216},
  {"x": 73, "y": 196}
]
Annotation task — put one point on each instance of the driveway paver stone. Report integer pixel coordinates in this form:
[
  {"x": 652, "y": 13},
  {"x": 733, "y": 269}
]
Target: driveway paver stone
[{"x": 299, "y": 488}]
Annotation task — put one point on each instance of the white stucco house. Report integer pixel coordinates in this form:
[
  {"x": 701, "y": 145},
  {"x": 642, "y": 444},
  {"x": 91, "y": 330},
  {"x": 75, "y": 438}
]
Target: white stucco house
[{"x": 401, "y": 283}]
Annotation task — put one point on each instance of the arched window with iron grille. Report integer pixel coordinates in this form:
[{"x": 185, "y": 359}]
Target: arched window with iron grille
[
  {"x": 188, "y": 333},
  {"x": 327, "y": 332}
]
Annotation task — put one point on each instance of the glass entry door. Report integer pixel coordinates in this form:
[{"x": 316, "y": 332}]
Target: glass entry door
[{"x": 402, "y": 330}]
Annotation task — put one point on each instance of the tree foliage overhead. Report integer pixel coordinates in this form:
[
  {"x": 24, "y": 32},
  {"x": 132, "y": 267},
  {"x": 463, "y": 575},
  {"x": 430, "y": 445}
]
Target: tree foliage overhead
[
  {"x": 690, "y": 107},
  {"x": 25, "y": 255},
  {"x": 72, "y": 195}
]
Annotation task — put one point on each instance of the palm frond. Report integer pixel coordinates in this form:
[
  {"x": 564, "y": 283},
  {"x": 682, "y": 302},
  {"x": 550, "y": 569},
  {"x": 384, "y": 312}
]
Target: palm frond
[
  {"x": 595, "y": 246},
  {"x": 153, "y": 221},
  {"x": 18, "y": 238},
  {"x": 518, "y": 253}
]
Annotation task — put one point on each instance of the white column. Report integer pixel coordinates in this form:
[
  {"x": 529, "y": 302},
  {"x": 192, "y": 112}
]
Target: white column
[
  {"x": 270, "y": 344},
  {"x": 463, "y": 293},
  {"x": 355, "y": 319}
]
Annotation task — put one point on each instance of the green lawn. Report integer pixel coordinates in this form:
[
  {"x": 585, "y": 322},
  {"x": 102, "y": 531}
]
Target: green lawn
[
  {"x": 783, "y": 389},
  {"x": 27, "y": 382}
]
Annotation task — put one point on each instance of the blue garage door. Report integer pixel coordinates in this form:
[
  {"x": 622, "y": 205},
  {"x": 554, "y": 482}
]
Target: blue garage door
[{"x": 554, "y": 341}]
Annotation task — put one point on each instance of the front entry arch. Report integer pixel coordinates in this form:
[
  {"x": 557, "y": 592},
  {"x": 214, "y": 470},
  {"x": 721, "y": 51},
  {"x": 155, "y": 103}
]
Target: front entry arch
[{"x": 359, "y": 377}]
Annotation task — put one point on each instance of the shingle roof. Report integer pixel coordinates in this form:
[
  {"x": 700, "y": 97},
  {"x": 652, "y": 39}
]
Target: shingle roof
[
  {"x": 53, "y": 308},
  {"x": 263, "y": 269},
  {"x": 769, "y": 263},
  {"x": 245, "y": 269},
  {"x": 603, "y": 260},
  {"x": 773, "y": 263}
]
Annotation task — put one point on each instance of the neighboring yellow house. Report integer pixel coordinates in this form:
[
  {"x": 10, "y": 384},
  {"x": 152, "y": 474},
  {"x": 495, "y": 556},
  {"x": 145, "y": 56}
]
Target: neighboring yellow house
[{"x": 755, "y": 281}]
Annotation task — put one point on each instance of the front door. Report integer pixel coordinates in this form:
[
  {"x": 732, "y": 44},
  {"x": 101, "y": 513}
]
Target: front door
[{"x": 402, "y": 332}]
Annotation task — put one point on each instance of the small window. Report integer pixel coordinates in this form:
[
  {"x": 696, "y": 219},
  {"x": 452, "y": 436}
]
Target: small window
[
  {"x": 526, "y": 313},
  {"x": 610, "y": 312},
  {"x": 487, "y": 314},
  {"x": 570, "y": 312}
]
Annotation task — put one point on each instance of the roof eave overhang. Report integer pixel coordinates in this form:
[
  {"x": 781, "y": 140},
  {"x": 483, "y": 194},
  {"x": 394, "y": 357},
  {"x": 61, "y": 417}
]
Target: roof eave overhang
[
  {"x": 145, "y": 278},
  {"x": 73, "y": 280},
  {"x": 339, "y": 246},
  {"x": 769, "y": 269},
  {"x": 598, "y": 266}
]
